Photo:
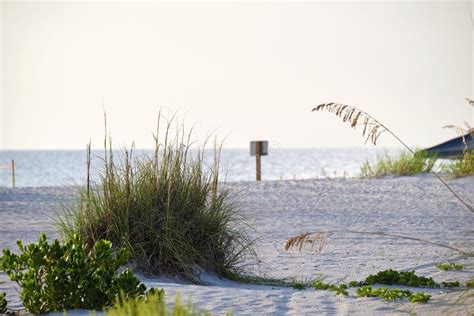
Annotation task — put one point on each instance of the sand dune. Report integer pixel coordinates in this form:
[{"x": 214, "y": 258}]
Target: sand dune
[{"x": 419, "y": 207}]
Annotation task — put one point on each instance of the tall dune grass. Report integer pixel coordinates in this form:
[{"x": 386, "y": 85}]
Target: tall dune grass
[
  {"x": 167, "y": 209},
  {"x": 404, "y": 164}
]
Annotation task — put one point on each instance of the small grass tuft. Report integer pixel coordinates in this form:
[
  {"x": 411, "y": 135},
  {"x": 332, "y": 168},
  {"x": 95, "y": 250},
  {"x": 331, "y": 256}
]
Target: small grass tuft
[
  {"x": 405, "y": 164},
  {"x": 449, "y": 266},
  {"x": 461, "y": 167},
  {"x": 299, "y": 286}
]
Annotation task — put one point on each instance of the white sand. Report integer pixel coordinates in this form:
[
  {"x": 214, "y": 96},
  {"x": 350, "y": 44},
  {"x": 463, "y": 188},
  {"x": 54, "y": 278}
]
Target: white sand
[{"x": 414, "y": 206}]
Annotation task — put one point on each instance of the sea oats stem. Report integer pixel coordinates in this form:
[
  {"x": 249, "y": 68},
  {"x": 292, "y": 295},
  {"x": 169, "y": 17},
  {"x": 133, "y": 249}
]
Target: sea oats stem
[
  {"x": 371, "y": 129},
  {"x": 290, "y": 242}
]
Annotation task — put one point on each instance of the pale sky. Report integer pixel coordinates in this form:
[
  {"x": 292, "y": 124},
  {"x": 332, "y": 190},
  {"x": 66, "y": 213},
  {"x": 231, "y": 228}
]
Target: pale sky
[{"x": 247, "y": 70}]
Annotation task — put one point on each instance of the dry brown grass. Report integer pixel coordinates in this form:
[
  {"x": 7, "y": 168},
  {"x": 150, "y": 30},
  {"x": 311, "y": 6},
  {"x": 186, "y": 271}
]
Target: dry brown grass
[
  {"x": 308, "y": 238},
  {"x": 356, "y": 117},
  {"x": 462, "y": 131},
  {"x": 319, "y": 237}
]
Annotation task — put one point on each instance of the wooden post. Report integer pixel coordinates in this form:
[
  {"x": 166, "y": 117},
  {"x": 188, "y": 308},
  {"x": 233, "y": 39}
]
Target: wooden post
[
  {"x": 258, "y": 161},
  {"x": 13, "y": 172},
  {"x": 258, "y": 149}
]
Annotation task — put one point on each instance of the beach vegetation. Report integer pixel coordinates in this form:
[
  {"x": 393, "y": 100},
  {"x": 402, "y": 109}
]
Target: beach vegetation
[
  {"x": 60, "y": 276},
  {"x": 339, "y": 289},
  {"x": 3, "y": 302},
  {"x": 387, "y": 277},
  {"x": 449, "y": 266},
  {"x": 419, "y": 297},
  {"x": 460, "y": 167},
  {"x": 250, "y": 278},
  {"x": 404, "y": 164},
  {"x": 451, "y": 284},
  {"x": 299, "y": 286},
  {"x": 385, "y": 293},
  {"x": 365, "y": 289},
  {"x": 464, "y": 165},
  {"x": 153, "y": 305},
  {"x": 168, "y": 209},
  {"x": 393, "y": 277},
  {"x": 372, "y": 130},
  {"x": 391, "y": 294}
]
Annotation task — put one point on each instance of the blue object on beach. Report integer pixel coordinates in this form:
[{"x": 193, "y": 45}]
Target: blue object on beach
[{"x": 452, "y": 148}]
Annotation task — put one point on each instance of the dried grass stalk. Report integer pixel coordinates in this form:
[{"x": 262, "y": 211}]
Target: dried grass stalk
[
  {"x": 308, "y": 238},
  {"x": 463, "y": 131},
  {"x": 355, "y": 117}
]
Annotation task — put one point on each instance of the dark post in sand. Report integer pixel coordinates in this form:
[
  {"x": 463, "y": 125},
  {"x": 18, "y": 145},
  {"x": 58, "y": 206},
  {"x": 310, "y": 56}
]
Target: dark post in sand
[
  {"x": 13, "y": 173},
  {"x": 258, "y": 148}
]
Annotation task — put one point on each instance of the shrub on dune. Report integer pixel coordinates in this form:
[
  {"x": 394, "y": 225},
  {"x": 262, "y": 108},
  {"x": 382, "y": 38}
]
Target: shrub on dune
[
  {"x": 60, "y": 276},
  {"x": 166, "y": 209}
]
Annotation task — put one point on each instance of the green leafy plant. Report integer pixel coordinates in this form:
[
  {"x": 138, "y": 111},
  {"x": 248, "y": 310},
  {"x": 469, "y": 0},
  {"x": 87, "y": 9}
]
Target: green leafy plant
[
  {"x": 419, "y": 297},
  {"x": 408, "y": 278},
  {"x": 405, "y": 164},
  {"x": 3, "y": 303},
  {"x": 56, "y": 277},
  {"x": 169, "y": 210},
  {"x": 392, "y": 294},
  {"x": 365, "y": 291},
  {"x": 340, "y": 289},
  {"x": 388, "y": 277},
  {"x": 385, "y": 293},
  {"x": 451, "y": 284},
  {"x": 470, "y": 284},
  {"x": 319, "y": 285},
  {"x": 449, "y": 266}
]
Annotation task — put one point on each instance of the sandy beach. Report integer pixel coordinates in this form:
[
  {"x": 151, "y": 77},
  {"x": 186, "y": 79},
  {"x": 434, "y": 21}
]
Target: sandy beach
[{"x": 418, "y": 207}]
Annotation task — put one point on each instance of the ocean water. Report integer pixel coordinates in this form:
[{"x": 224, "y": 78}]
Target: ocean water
[{"x": 68, "y": 167}]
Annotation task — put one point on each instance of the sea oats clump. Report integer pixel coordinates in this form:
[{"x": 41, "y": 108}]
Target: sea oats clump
[
  {"x": 168, "y": 210},
  {"x": 372, "y": 131}
]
